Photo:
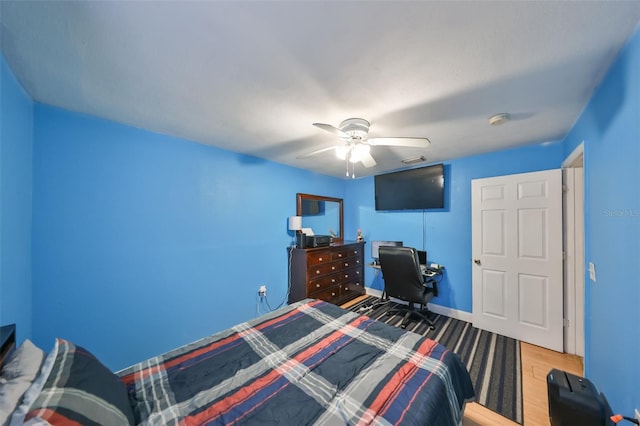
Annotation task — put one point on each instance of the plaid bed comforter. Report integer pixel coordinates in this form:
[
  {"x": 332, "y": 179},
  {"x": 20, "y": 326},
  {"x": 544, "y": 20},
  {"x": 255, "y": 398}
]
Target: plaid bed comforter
[{"x": 307, "y": 363}]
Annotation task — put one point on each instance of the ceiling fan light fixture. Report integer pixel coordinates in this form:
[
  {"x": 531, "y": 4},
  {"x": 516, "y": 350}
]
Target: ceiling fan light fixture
[
  {"x": 342, "y": 151},
  {"x": 358, "y": 152},
  {"x": 414, "y": 160}
]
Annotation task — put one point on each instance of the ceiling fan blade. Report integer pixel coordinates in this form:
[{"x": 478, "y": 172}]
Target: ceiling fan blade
[
  {"x": 368, "y": 160},
  {"x": 318, "y": 151},
  {"x": 412, "y": 142},
  {"x": 329, "y": 128}
]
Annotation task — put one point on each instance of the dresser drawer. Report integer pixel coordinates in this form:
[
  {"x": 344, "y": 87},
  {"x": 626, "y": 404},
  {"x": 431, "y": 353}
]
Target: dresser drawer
[
  {"x": 350, "y": 263},
  {"x": 357, "y": 287},
  {"x": 317, "y": 257},
  {"x": 340, "y": 293},
  {"x": 354, "y": 252},
  {"x": 324, "y": 282},
  {"x": 340, "y": 254},
  {"x": 351, "y": 290},
  {"x": 351, "y": 275},
  {"x": 330, "y": 295},
  {"x": 323, "y": 269}
]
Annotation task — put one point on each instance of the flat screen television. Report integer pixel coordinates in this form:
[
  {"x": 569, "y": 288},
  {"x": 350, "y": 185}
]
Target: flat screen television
[
  {"x": 413, "y": 189},
  {"x": 375, "y": 247}
]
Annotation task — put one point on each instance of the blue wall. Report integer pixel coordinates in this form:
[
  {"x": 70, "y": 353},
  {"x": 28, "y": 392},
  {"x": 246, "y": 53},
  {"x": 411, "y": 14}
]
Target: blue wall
[
  {"x": 16, "y": 145},
  {"x": 610, "y": 129},
  {"x": 445, "y": 233},
  {"x": 143, "y": 242}
]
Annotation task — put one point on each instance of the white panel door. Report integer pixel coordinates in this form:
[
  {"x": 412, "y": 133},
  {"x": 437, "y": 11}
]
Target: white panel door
[{"x": 517, "y": 256}]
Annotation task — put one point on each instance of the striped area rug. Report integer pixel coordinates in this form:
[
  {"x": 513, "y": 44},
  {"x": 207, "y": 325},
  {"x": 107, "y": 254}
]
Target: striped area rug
[{"x": 493, "y": 361}]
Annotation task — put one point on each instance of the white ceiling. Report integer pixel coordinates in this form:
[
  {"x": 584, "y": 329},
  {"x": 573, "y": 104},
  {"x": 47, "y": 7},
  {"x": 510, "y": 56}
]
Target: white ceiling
[{"x": 252, "y": 77}]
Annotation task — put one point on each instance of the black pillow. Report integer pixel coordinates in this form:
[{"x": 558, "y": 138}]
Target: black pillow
[{"x": 81, "y": 389}]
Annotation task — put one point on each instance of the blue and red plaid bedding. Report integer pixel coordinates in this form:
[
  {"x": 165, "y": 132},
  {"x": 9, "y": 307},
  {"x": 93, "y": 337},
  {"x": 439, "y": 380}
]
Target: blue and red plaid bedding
[{"x": 308, "y": 363}]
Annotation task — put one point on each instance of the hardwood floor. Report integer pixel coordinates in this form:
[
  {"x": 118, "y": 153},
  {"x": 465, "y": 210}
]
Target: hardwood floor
[{"x": 536, "y": 363}]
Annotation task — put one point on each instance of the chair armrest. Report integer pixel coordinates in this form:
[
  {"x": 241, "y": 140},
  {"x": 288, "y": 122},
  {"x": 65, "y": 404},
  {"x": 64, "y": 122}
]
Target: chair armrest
[{"x": 433, "y": 284}]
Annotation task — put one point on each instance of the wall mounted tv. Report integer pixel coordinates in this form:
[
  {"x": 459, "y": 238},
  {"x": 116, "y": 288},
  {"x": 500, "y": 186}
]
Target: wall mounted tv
[{"x": 414, "y": 189}]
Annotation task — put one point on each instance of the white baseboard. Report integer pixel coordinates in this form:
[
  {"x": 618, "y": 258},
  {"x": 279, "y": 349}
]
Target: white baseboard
[
  {"x": 450, "y": 312},
  {"x": 436, "y": 309}
]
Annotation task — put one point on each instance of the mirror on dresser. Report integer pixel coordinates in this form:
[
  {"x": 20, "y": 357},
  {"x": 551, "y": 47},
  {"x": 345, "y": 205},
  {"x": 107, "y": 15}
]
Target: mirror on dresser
[{"x": 322, "y": 214}]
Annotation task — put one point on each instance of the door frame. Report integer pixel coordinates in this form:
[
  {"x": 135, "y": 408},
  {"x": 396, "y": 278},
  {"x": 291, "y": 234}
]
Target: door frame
[{"x": 574, "y": 269}]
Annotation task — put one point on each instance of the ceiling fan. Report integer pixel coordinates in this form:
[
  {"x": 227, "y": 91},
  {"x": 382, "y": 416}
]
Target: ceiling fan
[{"x": 356, "y": 143}]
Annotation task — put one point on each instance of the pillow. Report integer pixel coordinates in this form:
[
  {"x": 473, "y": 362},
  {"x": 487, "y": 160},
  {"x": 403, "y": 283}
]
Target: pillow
[
  {"x": 16, "y": 376},
  {"x": 80, "y": 390},
  {"x": 17, "y": 418}
]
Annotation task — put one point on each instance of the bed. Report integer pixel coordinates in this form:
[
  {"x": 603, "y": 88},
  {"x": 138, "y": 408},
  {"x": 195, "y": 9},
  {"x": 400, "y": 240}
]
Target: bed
[{"x": 307, "y": 363}]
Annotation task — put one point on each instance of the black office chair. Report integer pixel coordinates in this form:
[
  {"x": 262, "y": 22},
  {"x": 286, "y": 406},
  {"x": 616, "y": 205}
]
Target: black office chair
[{"x": 403, "y": 279}]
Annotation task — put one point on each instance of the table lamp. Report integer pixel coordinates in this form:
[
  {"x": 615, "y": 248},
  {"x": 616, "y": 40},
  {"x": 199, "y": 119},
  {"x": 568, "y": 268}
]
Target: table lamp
[{"x": 295, "y": 224}]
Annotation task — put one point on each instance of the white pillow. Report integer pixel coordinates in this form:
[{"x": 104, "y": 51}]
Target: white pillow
[
  {"x": 34, "y": 388},
  {"x": 16, "y": 376}
]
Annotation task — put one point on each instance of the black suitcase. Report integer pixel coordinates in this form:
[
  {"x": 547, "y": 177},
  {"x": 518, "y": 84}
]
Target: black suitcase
[{"x": 574, "y": 400}]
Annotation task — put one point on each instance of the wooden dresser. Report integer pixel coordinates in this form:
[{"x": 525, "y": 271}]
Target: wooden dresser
[{"x": 334, "y": 274}]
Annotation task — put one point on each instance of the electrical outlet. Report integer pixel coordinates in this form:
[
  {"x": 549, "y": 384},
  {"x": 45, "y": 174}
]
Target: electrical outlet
[
  {"x": 637, "y": 414},
  {"x": 262, "y": 291},
  {"x": 592, "y": 272}
]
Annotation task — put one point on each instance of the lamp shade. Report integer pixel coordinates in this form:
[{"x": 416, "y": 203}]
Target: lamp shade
[{"x": 295, "y": 223}]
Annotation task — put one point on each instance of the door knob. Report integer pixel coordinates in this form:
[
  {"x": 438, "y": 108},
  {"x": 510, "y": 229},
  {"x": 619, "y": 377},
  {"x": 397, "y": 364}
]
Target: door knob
[{"x": 477, "y": 261}]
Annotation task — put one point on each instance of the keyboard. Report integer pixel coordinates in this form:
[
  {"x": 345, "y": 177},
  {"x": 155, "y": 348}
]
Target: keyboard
[{"x": 426, "y": 271}]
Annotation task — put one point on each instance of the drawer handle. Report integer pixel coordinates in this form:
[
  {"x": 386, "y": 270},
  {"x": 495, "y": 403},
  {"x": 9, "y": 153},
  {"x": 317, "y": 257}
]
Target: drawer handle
[
  {"x": 333, "y": 268},
  {"x": 339, "y": 254},
  {"x": 320, "y": 259},
  {"x": 333, "y": 294},
  {"x": 346, "y": 264},
  {"x": 318, "y": 271},
  {"x": 346, "y": 275},
  {"x": 318, "y": 285},
  {"x": 333, "y": 280},
  {"x": 357, "y": 272}
]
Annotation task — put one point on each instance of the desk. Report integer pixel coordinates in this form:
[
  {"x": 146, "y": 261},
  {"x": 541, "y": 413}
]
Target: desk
[{"x": 426, "y": 271}]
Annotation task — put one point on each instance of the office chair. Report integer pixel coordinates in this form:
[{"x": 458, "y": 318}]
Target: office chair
[{"x": 403, "y": 280}]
